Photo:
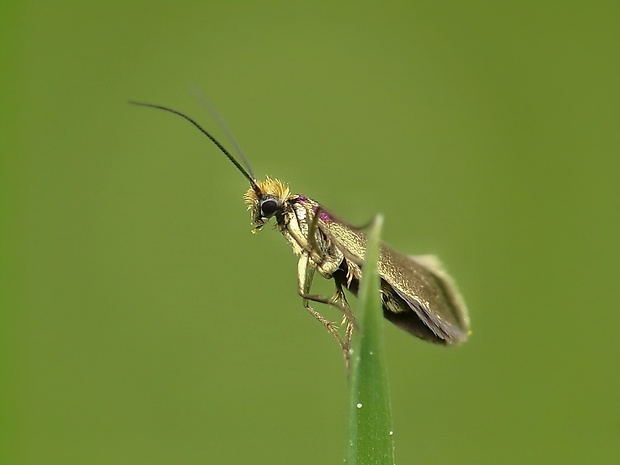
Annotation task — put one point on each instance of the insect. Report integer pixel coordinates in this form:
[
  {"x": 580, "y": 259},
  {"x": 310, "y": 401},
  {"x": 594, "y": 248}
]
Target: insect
[{"x": 416, "y": 293}]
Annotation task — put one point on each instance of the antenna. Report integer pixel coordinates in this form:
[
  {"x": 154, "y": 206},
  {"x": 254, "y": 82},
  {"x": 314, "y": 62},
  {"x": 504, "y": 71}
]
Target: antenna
[
  {"x": 213, "y": 139},
  {"x": 231, "y": 137}
]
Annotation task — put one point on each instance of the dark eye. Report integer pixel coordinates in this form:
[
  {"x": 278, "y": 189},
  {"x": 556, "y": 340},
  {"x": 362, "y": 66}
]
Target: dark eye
[{"x": 268, "y": 207}]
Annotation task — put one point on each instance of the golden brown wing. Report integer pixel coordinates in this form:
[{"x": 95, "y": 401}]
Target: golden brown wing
[{"x": 419, "y": 281}]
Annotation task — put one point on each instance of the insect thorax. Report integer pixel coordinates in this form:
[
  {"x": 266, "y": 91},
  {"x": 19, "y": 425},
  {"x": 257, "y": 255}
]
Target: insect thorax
[{"x": 296, "y": 224}]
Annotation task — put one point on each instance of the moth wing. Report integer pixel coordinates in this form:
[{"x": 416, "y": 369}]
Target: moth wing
[
  {"x": 419, "y": 280},
  {"x": 435, "y": 290}
]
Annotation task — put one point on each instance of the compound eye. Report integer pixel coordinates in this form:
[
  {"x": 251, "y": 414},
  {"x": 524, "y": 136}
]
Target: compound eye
[{"x": 268, "y": 207}]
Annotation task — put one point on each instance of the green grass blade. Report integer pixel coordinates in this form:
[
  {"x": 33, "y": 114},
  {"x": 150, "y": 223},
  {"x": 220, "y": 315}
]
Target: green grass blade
[{"x": 371, "y": 439}]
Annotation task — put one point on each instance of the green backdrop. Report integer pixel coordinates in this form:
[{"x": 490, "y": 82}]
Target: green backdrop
[{"x": 142, "y": 323}]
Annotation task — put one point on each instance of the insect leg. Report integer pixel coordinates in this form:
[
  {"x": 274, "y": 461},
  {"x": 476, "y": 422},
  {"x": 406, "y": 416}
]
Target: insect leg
[
  {"x": 305, "y": 274},
  {"x": 312, "y": 230},
  {"x": 348, "y": 316},
  {"x": 338, "y": 300}
]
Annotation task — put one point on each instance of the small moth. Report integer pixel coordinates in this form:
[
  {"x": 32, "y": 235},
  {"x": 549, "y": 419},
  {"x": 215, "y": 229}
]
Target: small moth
[{"x": 416, "y": 293}]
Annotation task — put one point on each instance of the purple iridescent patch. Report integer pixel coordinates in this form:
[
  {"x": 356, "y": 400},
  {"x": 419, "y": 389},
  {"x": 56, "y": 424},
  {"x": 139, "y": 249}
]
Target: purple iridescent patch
[{"x": 323, "y": 216}]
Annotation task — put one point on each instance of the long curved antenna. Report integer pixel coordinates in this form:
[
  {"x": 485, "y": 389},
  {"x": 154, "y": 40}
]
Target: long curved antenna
[
  {"x": 204, "y": 100},
  {"x": 213, "y": 139}
]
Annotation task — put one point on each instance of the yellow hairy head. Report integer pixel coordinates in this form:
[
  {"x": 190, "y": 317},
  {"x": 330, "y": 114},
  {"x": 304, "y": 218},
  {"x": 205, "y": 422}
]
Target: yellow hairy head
[{"x": 267, "y": 187}]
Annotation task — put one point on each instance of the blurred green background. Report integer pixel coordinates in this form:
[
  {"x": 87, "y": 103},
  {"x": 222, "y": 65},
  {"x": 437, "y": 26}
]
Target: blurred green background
[{"x": 142, "y": 322}]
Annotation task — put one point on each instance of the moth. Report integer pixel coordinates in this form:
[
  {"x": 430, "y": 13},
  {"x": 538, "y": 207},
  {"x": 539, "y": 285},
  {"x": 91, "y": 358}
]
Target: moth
[{"x": 417, "y": 294}]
